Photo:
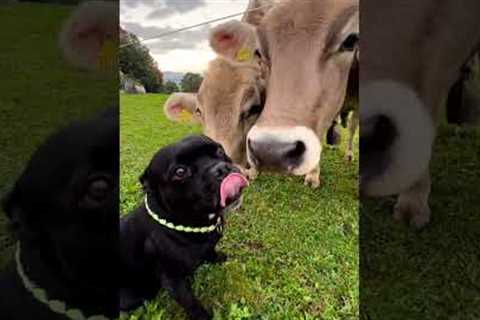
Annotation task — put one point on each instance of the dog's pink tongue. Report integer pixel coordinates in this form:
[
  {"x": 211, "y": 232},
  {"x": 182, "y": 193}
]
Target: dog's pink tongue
[{"x": 232, "y": 187}]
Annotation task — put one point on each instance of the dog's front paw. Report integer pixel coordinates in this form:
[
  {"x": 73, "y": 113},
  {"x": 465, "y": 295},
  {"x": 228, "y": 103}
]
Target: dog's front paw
[
  {"x": 217, "y": 257},
  {"x": 128, "y": 301},
  {"x": 221, "y": 257},
  {"x": 201, "y": 314}
]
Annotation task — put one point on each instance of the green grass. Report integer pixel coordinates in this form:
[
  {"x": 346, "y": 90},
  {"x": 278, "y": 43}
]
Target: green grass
[
  {"x": 40, "y": 91},
  {"x": 434, "y": 273},
  {"x": 293, "y": 251}
]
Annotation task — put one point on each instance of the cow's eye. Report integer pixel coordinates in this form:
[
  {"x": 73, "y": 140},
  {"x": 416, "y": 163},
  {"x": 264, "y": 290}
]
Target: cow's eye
[
  {"x": 350, "y": 43},
  {"x": 255, "y": 110}
]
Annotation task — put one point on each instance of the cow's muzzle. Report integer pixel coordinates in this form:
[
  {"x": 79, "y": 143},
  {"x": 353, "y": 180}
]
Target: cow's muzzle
[
  {"x": 396, "y": 138},
  {"x": 295, "y": 150}
]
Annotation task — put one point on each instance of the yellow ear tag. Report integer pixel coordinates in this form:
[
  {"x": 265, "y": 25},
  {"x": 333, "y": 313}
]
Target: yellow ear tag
[
  {"x": 244, "y": 55},
  {"x": 107, "y": 55},
  {"x": 185, "y": 116}
]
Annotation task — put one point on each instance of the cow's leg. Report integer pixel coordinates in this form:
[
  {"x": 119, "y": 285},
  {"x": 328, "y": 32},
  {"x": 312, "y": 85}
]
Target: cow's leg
[
  {"x": 352, "y": 128},
  {"x": 313, "y": 178},
  {"x": 413, "y": 205},
  {"x": 334, "y": 138},
  {"x": 250, "y": 171}
]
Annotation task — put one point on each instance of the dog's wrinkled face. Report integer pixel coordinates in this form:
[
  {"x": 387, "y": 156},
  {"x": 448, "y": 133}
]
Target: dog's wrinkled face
[
  {"x": 193, "y": 179},
  {"x": 66, "y": 201}
]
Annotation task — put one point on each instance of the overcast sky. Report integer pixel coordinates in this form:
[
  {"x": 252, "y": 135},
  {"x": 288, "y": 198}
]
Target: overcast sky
[{"x": 185, "y": 51}]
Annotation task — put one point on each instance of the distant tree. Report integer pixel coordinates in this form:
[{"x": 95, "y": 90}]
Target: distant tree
[
  {"x": 159, "y": 77},
  {"x": 136, "y": 62},
  {"x": 191, "y": 82},
  {"x": 170, "y": 87}
]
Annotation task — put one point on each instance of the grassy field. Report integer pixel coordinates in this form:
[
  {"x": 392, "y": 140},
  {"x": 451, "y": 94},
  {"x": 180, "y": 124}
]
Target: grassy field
[
  {"x": 435, "y": 273},
  {"x": 293, "y": 252},
  {"x": 40, "y": 91}
]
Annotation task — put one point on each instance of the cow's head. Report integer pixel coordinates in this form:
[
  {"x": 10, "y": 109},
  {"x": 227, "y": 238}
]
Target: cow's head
[
  {"x": 231, "y": 96},
  {"x": 403, "y": 91},
  {"x": 309, "y": 47}
]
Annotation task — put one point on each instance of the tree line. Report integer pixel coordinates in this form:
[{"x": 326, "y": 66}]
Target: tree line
[{"x": 136, "y": 63}]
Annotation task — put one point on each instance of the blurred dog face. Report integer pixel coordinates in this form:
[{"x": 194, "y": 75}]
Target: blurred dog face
[
  {"x": 195, "y": 178},
  {"x": 65, "y": 203}
]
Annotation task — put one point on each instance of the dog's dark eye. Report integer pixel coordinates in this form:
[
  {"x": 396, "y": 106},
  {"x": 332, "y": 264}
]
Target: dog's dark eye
[
  {"x": 180, "y": 173},
  {"x": 221, "y": 153},
  {"x": 99, "y": 189},
  {"x": 350, "y": 43}
]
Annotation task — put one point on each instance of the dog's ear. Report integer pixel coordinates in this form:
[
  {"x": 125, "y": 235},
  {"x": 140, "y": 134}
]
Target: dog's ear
[
  {"x": 24, "y": 220},
  {"x": 11, "y": 208},
  {"x": 144, "y": 180}
]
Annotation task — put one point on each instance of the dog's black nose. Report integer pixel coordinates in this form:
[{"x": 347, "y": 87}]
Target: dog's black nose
[{"x": 222, "y": 169}]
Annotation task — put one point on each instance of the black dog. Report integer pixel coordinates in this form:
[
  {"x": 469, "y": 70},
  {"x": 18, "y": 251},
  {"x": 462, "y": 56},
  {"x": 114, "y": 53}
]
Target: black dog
[
  {"x": 64, "y": 209},
  {"x": 189, "y": 186}
]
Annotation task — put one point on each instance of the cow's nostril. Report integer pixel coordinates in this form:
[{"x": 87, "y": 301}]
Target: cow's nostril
[
  {"x": 376, "y": 140},
  {"x": 379, "y": 135},
  {"x": 296, "y": 151}
]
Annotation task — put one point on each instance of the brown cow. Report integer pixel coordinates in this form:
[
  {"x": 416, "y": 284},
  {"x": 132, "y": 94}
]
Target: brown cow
[
  {"x": 219, "y": 103},
  {"x": 408, "y": 66},
  {"x": 231, "y": 96},
  {"x": 310, "y": 47}
]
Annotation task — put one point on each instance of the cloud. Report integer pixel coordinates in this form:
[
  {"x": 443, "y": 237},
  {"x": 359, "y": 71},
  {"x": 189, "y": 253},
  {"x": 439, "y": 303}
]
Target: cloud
[
  {"x": 137, "y": 3},
  {"x": 189, "y": 39},
  {"x": 144, "y": 31},
  {"x": 184, "y": 51},
  {"x": 162, "y": 8}
]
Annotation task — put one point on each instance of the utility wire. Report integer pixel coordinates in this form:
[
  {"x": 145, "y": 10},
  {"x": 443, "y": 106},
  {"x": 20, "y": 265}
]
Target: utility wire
[{"x": 194, "y": 26}]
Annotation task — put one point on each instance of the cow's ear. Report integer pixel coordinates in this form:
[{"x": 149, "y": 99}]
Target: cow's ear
[
  {"x": 181, "y": 107},
  {"x": 257, "y": 9},
  {"x": 235, "y": 41},
  {"x": 89, "y": 37}
]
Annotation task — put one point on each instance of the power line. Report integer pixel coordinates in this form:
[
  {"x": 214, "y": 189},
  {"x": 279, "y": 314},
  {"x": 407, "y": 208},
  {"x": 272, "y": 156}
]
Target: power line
[{"x": 195, "y": 26}]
